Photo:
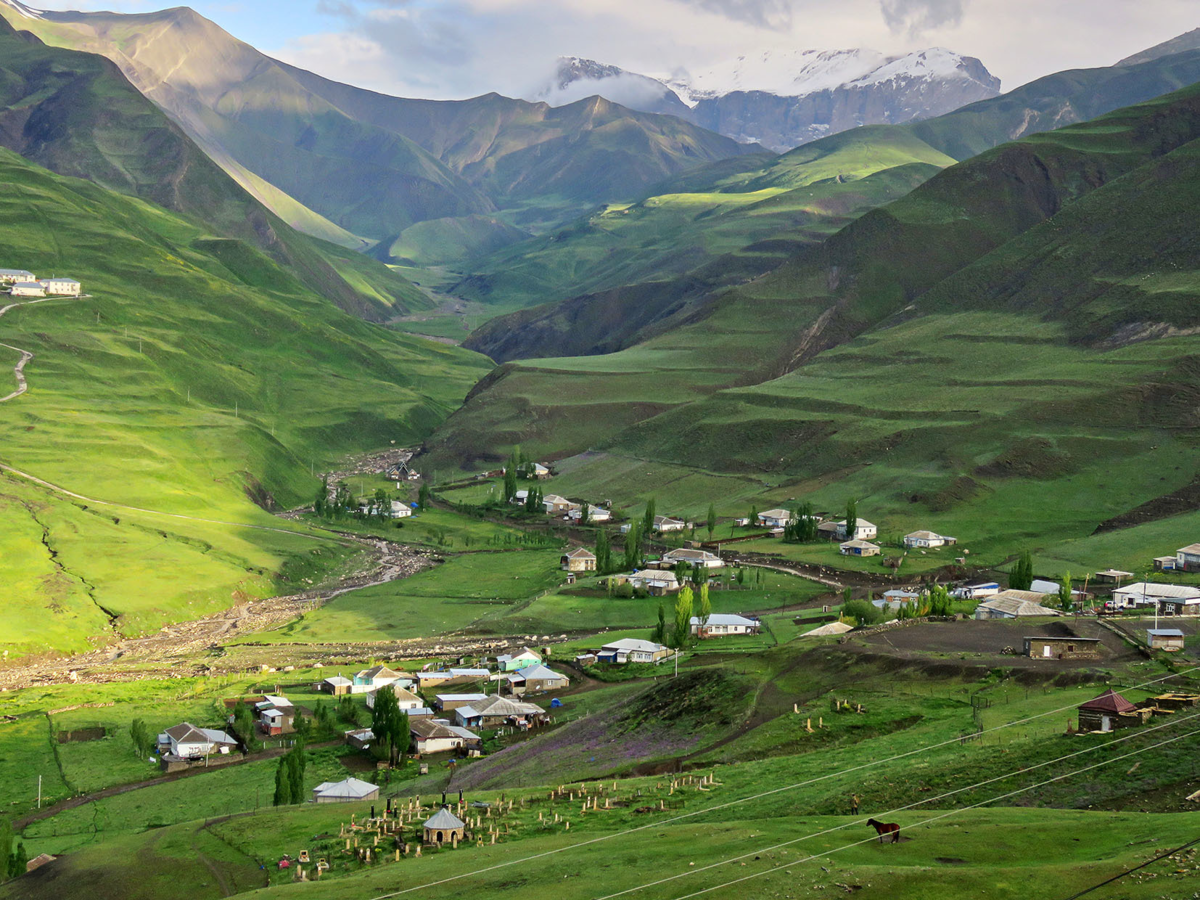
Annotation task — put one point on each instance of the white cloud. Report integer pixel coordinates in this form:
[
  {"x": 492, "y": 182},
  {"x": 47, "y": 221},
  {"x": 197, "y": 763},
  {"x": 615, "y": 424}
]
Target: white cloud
[{"x": 461, "y": 48}]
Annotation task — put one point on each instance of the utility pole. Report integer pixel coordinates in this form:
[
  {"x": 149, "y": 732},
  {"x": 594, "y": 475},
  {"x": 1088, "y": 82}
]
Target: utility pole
[{"x": 39, "y": 792}]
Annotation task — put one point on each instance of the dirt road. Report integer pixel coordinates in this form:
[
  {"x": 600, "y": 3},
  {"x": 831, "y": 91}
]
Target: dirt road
[{"x": 26, "y": 356}]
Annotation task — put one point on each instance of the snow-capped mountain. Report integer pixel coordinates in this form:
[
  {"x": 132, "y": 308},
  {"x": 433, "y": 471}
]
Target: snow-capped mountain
[
  {"x": 576, "y": 79},
  {"x": 23, "y": 9},
  {"x": 785, "y": 98}
]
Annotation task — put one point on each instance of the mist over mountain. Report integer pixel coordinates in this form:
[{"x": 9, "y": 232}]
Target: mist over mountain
[{"x": 782, "y": 99}]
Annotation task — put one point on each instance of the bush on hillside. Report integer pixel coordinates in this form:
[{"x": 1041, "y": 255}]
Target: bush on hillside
[{"x": 862, "y": 612}]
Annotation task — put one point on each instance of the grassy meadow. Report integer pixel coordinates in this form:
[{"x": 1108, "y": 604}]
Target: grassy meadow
[{"x": 196, "y": 379}]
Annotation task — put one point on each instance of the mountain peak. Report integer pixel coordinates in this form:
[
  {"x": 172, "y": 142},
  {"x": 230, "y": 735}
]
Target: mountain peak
[{"x": 28, "y": 11}]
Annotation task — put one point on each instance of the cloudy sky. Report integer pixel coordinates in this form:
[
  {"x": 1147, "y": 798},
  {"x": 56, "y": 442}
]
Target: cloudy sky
[{"x": 461, "y": 48}]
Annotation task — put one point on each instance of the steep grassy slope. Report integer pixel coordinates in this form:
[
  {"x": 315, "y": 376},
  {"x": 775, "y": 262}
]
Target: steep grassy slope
[
  {"x": 731, "y": 221},
  {"x": 76, "y": 114},
  {"x": 1025, "y": 322},
  {"x": 197, "y": 379},
  {"x": 373, "y": 164}
]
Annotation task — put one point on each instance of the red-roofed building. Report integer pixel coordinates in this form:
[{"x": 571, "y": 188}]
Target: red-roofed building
[{"x": 1110, "y": 710}]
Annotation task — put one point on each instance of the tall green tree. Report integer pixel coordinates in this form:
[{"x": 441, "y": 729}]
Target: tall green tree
[
  {"x": 283, "y": 785},
  {"x": 851, "y": 518},
  {"x": 633, "y": 546},
  {"x": 711, "y": 520},
  {"x": 1066, "y": 599},
  {"x": 648, "y": 518},
  {"x": 423, "y": 496},
  {"x": 682, "y": 632},
  {"x": 583, "y": 513},
  {"x": 297, "y": 762},
  {"x": 704, "y": 609},
  {"x": 603, "y": 553},
  {"x": 510, "y": 481},
  {"x": 660, "y": 630},
  {"x": 389, "y": 724},
  {"x": 1020, "y": 578},
  {"x": 6, "y": 842},
  {"x": 18, "y": 861}
]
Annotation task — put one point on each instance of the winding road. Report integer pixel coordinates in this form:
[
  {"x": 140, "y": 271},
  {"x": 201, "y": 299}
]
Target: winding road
[{"x": 26, "y": 356}]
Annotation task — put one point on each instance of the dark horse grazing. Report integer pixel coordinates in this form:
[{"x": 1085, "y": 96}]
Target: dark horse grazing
[{"x": 883, "y": 828}]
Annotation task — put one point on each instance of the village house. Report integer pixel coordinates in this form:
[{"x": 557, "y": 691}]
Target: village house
[
  {"x": 337, "y": 685},
  {"x": 665, "y": 524},
  {"x": 12, "y": 276},
  {"x": 446, "y": 677},
  {"x": 723, "y": 624},
  {"x": 444, "y": 827},
  {"x": 863, "y": 530},
  {"x": 28, "y": 289},
  {"x": 1059, "y": 647},
  {"x": 401, "y": 510},
  {"x": 520, "y": 497},
  {"x": 514, "y": 662},
  {"x": 774, "y": 518},
  {"x": 58, "y": 286},
  {"x": 276, "y": 715},
  {"x": 536, "y": 679},
  {"x": 437, "y": 735},
  {"x": 497, "y": 711},
  {"x": 185, "y": 741},
  {"x": 921, "y": 540},
  {"x": 629, "y": 650},
  {"x": 858, "y": 548},
  {"x": 1187, "y": 559},
  {"x": 895, "y": 598},
  {"x": 347, "y": 791},
  {"x": 578, "y": 560},
  {"x": 1112, "y": 576},
  {"x": 1109, "y": 711},
  {"x": 405, "y": 699},
  {"x": 1172, "y": 599},
  {"x": 540, "y": 472},
  {"x": 655, "y": 583},
  {"x": 1169, "y": 639},
  {"x": 360, "y": 738},
  {"x": 374, "y": 678},
  {"x": 557, "y": 506},
  {"x": 979, "y": 591},
  {"x": 1013, "y": 605},
  {"x": 596, "y": 514},
  {"x": 1042, "y": 586},
  {"x": 451, "y": 702},
  {"x": 691, "y": 557}
]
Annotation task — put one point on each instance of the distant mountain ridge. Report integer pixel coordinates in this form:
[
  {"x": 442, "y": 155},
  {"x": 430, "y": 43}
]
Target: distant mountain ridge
[
  {"x": 782, "y": 99},
  {"x": 372, "y": 164}
]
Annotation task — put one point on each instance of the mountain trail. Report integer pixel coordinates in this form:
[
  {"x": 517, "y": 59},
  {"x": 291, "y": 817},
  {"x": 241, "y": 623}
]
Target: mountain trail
[{"x": 26, "y": 355}]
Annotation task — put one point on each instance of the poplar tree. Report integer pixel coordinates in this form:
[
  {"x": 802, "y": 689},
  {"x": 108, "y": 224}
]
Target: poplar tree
[
  {"x": 1066, "y": 599},
  {"x": 712, "y": 520},
  {"x": 633, "y": 547},
  {"x": 603, "y": 553},
  {"x": 705, "y": 608},
  {"x": 851, "y": 519},
  {"x": 1021, "y": 576},
  {"x": 683, "y": 619},
  {"x": 648, "y": 518}
]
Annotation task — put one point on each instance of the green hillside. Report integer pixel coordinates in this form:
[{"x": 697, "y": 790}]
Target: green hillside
[
  {"x": 729, "y": 222},
  {"x": 198, "y": 379},
  {"x": 75, "y": 114},
  {"x": 370, "y": 164},
  {"x": 995, "y": 341}
]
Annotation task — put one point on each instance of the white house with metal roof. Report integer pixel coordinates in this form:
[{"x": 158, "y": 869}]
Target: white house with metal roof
[
  {"x": 629, "y": 650},
  {"x": 921, "y": 540},
  {"x": 723, "y": 625},
  {"x": 186, "y": 741},
  {"x": 28, "y": 289},
  {"x": 692, "y": 557},
  {"x": 12, "y": 276},
  {"x": 61, "y": 286},
  {"x": 1148, "y": 593},
  {"x": 347, "y": 791}
]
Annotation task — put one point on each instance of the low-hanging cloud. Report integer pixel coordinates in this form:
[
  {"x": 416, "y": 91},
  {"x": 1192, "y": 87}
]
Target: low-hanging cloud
[
  {"x": 915, "y": 17},
  {"x": 763, "y": 13}
]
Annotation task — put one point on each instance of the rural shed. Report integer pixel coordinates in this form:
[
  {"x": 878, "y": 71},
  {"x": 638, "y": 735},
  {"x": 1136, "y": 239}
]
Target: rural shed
[
  {"x": 1164, "y": 639},
  {"x": 1062, "y": 647},
  {"x": 1110, "y": 710}
]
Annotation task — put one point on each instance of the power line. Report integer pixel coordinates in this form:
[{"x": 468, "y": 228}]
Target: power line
[
  {"x": 953, "y": 812},
  {"x": 890, "y": 812},
  {"x": 710, "y": 809},
  {"x": 1149, "y": 862}
]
